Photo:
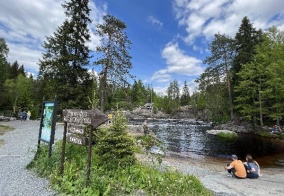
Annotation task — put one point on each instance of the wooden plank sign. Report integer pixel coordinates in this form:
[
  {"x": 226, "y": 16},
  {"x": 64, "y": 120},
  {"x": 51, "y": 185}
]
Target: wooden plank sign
[
  {"x": 93, "y": 117},
  {"x": 75, "y": 128},
  {"x": 75, "y": 139}
]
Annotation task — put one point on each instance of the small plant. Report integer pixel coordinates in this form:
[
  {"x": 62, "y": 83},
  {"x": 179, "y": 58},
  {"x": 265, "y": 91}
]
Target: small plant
[
  {"x": 4, "y": 128},
  {"x": 227, "y": 135},
  {"x": 114, "y": 146},
  {"x": 266, "y": 134}
]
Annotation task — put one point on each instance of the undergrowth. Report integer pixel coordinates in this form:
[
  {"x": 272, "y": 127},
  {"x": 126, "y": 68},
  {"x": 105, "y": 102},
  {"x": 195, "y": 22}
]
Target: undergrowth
[
  {"x": 105, "y": 181},
  {"x": 114, "y": 168}
]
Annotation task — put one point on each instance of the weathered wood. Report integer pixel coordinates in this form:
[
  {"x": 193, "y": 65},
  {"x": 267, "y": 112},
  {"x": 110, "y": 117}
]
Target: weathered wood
[
  {"x": 75, "y": 139},
  {"x": 87, "y": 117}
]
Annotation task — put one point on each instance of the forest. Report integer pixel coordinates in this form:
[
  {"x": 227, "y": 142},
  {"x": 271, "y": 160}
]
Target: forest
[{"x": 242, "y": 81}]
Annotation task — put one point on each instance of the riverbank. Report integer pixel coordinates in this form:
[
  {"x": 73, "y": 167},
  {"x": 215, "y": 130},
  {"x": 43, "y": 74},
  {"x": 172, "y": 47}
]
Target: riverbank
[
  {"x": 20, "y": 145},
  {"x": 210, "y": 171}
]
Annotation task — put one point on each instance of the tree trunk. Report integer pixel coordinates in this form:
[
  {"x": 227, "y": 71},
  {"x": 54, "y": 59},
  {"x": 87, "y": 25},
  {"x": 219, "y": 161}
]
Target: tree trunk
[{"x": 229, "y": 88}]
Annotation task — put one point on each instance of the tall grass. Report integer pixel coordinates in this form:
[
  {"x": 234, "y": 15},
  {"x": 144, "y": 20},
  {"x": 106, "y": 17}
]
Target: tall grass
[{"x": 137, "y": 178}]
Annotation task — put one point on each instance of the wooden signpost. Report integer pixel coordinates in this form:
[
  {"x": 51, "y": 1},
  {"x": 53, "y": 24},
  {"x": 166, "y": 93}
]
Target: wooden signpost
[{"x": 78, "y": 128}]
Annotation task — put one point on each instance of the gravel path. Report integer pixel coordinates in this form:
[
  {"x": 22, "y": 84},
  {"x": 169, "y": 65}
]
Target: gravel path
[
  {"x": 20, "y": 145},
  {"x": 17, "y": 151}
]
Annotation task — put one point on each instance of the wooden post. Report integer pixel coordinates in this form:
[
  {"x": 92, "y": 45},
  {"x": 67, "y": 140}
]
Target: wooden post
[
  {"x": 63, "y": 148},
  {"x": 89, "y": 155}
]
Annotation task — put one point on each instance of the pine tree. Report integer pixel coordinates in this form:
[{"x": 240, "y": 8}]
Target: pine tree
[
  {"x": 63, "y": 65},
  {"x": 185, "y": 96},
  {"x": 222, "y": 54},
  {"x": 114, "y": 61}
]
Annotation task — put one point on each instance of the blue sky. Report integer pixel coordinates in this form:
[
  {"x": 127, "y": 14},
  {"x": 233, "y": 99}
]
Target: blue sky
[{"x": 169, "y": 37}]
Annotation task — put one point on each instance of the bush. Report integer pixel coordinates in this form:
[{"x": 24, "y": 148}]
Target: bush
[
  {"x": 114, "y": 146},
  {"x": 226, "y": 135}
]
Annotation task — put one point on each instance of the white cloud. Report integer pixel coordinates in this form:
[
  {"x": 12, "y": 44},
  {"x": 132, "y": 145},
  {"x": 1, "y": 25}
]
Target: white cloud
[
  {"x": 177, "y": 63},
  {"x": 155, "y": 21},
  {"x": 207, "y": 17},
  {"x": 161, "y": 76},
  {"x": 25, "y": 24}
]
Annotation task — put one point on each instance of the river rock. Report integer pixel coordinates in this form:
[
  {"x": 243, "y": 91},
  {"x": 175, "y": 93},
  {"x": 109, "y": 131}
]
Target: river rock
[{"x": 215, "y": 132}]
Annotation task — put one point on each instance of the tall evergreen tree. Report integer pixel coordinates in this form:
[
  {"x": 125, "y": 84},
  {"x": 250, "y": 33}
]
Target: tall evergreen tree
[
  {"x": 4, "y": 71},
  {"x": 14, "y": 70},
  {"x": 115, "y": 60},
  {"x": 185, "y": 96},
  {"x": 64, "y": 62},
  {"x": 222, "y": 54},
  {"x": 138, "y": 93},
  {"x": 247, "y": 38}
]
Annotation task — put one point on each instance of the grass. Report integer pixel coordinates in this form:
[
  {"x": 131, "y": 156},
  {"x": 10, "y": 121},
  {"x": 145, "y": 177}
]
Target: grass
[
  {"x": 227, "y": 135},
  {"x": 138, "y": 179},
  {"x": 3, "y": 129}
]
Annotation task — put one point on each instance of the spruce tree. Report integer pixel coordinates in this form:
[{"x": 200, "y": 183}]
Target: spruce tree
[
  {"x": 246, "y": 40},
  {"x": 185, "y": 96},
  {"x": 63, "y": 66}
]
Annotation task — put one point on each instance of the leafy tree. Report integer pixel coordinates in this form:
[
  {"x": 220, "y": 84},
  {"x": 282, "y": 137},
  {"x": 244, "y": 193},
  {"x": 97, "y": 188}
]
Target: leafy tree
[
  {"x": 185, "y": 96},
  {"x": 20, "y": 93},
  {"x": 172, "y": 101},
  {"x": 272, "y": 51},
  {"x": 138, "y": 93},
  {"x": 222, "y": 55},
  {"x": 260, "y": 88},
  {"x": 250, "y": 88},
  {"x": 4, "y": 66},
  {"x": 114, "y": 60},
  {"x": 213, "y": 95},
  {"x": 66, "y": 56},
  {"x": 173, "y": 90}
]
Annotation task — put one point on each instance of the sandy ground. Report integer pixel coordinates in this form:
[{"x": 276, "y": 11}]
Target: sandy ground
[{"x": 211, "y": 172}]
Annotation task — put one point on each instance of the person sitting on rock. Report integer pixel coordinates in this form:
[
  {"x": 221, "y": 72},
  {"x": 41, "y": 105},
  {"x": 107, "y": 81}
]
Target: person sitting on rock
[
  {"x": 252, "y": 167},
  {"x": 236, "y": 168},
  {"x": 276, "y": 129}
]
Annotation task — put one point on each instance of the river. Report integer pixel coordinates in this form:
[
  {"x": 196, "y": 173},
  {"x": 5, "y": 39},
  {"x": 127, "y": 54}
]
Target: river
[{"x": 188, "y": 139}]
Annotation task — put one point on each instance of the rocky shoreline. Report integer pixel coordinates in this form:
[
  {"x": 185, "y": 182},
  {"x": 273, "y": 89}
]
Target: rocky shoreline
[{"x": 210, "y": 171}]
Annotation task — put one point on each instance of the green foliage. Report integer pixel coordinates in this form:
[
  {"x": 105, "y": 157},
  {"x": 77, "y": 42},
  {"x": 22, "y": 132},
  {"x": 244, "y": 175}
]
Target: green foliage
[
  {"x": 246, "y": 40},
  {"x": 227, "y": 135},
  {"x": 266, "y": 134},
  {"x": 222, "y": 55},
  {"x": 115, "y": 147},
  {"x": 114, "y": 60},
  {"x": 185, "y": 96},
  {"x": 66, "y": 55},
  {"x": 117, "y": 181},
  {"x": 281, "y": 136}
]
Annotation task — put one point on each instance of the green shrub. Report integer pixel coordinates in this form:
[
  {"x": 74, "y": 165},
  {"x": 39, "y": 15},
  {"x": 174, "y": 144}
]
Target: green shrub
[
  {"x": 227, "y": 135},
  {"x": 114, "y": 169},
  {"x": 114, "y": 146}
]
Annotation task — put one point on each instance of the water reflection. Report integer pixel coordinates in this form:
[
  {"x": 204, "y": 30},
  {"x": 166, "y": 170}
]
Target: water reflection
[{"x": 187, "y": 138}]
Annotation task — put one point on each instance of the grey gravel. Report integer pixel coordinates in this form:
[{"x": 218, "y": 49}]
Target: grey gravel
[{"x": 17, "y": 151}]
